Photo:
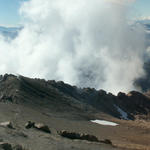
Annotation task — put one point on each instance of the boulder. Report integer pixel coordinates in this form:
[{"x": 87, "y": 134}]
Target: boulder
[
  {"x": 18, "y": 147},
  {"x": 29, "y": 125},
  {"x": 70, "y": 135},
  {"x": 39, "y": 126},
  {"x": 89, "y": 137},
  {"x": 7, "y": 124},
  {"x": 80, "y": 136},
  {"x": 106, "y": 141},
  {"x": 5, "y": 146},
  {"x": 42, "y": 127}
]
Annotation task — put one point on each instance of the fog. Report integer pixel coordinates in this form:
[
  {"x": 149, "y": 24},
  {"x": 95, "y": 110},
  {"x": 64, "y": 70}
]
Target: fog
[{"x": 88, "y": 43}]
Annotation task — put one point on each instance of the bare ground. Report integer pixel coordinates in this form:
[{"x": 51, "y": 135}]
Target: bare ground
[{"x": 132, "y": 135}]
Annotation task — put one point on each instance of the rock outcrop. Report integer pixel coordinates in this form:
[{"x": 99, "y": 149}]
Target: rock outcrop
[
  {"x": 5, "y": 146},
  {"x": 39, "y": 126},
  {"x": 79, "y": 136},
  {"x": 42, "y": 127},
  {"x": 62, "y": 97},
  {"x": 8, "y": 146},
  {"x": 29, "y": 125},
  {"x": 7, "y": 124}
]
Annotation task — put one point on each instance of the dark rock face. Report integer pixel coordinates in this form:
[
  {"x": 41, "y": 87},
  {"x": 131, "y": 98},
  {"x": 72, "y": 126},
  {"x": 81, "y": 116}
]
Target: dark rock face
[
  {"x": 135, "y": 102},
  {"x": 73, "y": 136}
]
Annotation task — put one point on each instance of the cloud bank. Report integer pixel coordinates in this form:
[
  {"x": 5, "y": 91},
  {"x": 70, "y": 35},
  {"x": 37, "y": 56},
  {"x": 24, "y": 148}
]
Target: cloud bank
[
  {"x": 85, "y": 43},
  {"x": 121, "y": 1}
]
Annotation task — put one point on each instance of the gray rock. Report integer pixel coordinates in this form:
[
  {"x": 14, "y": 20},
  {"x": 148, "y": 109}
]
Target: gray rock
[
  {"x": 29, "y": 125},
  {"x": 106, "y": 141},
  {"x": 80, "y": 136},
  {"x": 18, "y": 147},
  {"x": 5, "y": 146},
  {"x": 42, "y": 127},
  {"x": 7, "y": 124}
]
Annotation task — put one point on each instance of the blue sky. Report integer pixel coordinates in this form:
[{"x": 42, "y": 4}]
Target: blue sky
[
  {"x": 142, "y": 7},
  {"x": 9, "y": 15},
  {"x": 9, "y": 12}
]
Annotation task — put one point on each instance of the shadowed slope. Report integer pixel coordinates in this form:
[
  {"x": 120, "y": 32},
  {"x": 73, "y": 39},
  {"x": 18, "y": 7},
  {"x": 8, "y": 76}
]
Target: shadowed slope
[{"x": 61, "y": 97}]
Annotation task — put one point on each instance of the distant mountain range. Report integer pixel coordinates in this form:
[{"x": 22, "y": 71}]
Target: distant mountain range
[
  {"x": 9, "y": 32},
  {"x": 12, "y": 32}
]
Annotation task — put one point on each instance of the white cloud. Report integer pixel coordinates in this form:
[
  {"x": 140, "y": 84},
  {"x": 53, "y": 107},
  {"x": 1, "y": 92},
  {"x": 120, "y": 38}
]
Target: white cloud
[
  {"x": 87, "y": 43},
  {"x": 144, "y": 18},
  {"x": 121, "y": 1}
]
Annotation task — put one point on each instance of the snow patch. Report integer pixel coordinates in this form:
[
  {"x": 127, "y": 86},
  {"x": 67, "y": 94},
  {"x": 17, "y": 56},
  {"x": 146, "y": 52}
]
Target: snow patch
[
  {"x": 104, "y": 122},
  {"x": 123, "y": 114}
]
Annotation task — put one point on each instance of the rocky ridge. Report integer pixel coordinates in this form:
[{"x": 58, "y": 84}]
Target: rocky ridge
[{"x": 50, "y": 93}]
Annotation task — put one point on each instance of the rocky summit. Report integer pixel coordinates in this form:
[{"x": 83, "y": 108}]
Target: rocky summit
[{"x": 36, "y": 114}]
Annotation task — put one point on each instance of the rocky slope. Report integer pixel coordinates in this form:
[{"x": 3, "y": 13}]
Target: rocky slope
[
  {"x": 65, "y": 112},
  {"x": 59, "y": 96}
]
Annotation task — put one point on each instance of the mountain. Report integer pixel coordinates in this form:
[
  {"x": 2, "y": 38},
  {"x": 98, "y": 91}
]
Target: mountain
[
  {"x": 56, "y": 115},
  {"x": 9, "y": 29},
  {"x": 61, "y": 96}
]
